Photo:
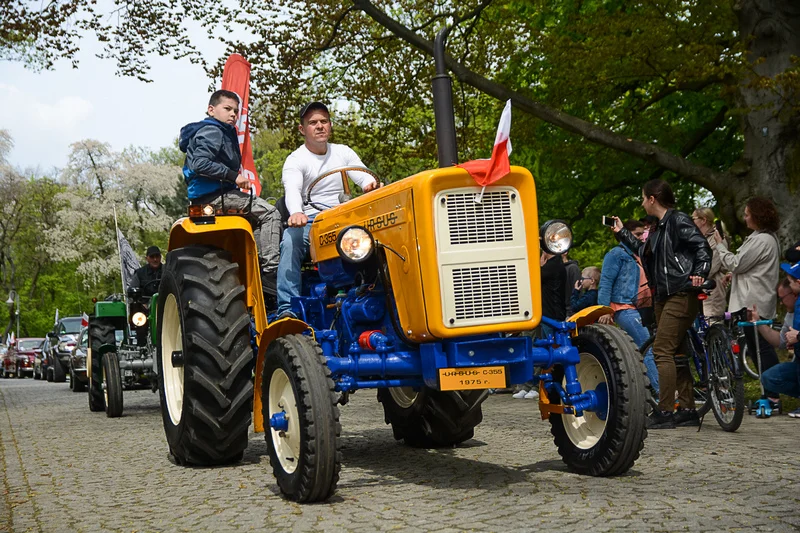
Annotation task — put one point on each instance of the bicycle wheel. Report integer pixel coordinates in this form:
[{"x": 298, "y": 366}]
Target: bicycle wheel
[
  {"x": 747, "y": 364},
  {"x": 699, "y": 369},
  {"x": 726, "y": 390}
]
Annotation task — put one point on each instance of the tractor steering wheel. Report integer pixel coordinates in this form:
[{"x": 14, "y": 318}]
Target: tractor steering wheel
[{"x": 343, "y": 197}]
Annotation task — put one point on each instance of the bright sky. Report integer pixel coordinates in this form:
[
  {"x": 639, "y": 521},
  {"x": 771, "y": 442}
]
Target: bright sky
[{"x": 47, "y": 111}]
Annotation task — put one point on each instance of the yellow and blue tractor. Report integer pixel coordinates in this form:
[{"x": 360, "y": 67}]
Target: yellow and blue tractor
[{"x": 416, "y": 290}]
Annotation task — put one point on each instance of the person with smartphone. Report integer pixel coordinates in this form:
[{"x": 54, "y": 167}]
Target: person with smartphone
[
  {"x": 676, "y": 258},
  {"x": 713, "y": 307}
]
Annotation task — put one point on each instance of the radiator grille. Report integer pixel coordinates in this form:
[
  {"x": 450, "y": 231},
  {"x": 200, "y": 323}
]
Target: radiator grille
[
  {"x": 471, "y": 222},
  {"x": 486, "y": 291}
]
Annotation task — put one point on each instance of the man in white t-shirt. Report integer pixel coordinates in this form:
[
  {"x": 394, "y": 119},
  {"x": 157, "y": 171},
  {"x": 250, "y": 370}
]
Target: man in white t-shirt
[{"x": 315, "y": 157}]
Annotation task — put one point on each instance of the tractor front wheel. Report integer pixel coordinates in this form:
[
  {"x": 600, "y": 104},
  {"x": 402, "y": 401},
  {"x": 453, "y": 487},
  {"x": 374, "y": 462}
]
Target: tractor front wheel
[
  {"x": 100, "y": 332},
  {"x": 204, "y": 357},
  {"x": 607, "y": 444},
  {"x": 112, "y": 385},
  {"x": 299, "y": 406},
  {"x": 430, "y": 419}
]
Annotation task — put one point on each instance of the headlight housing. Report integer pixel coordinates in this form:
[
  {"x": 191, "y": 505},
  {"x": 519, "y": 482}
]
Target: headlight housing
[
  {"x": 355, "y": 244},
  {"x": 556, "y": 237},
  {"x": 139, "y": 319}
]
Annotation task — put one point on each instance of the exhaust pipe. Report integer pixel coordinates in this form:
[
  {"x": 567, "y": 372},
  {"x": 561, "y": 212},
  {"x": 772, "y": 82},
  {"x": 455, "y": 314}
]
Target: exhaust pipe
[{"x": 443, "y": 105}]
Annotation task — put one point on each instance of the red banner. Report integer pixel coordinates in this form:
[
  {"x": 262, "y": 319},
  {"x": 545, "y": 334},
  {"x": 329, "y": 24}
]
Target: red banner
[{"x": 236, "y": 78}]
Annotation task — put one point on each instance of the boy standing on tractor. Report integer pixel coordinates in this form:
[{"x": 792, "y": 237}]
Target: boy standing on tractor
[
  {"x": 315, "y": 157},
  {"x": 211, "y": 171}
]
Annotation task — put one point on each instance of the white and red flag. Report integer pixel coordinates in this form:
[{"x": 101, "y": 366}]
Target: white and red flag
[
  {"x": 236, "y": 78},
  {"x": 487, "y": 171},
  {"x": 84, "y": 320}
]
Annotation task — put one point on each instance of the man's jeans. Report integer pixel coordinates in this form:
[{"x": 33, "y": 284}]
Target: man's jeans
[
  {"x": 294, "y": 248},
  {"x": 783, "y": 378},
  {"x": 631, "y": 322}
]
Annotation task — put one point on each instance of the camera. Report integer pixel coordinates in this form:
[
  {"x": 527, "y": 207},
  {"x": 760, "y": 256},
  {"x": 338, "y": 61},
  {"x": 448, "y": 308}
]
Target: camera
[{"x": 609, "y": 221}]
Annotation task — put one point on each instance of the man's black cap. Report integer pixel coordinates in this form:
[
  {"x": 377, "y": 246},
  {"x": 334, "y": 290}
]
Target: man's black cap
[
  {"x": 153, "y": 250},
  {"x": 310, "y": 107}
]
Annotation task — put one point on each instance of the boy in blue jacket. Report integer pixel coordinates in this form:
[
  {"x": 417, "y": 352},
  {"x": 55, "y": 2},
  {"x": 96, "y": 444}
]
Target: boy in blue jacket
[
  {"x": 211, "y": 171},
  {"x": 584, "y": 293}
]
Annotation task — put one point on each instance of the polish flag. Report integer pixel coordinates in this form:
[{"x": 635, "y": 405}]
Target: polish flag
[
  {"x": 236, "y": 78},
  {"x": 85, "y": 320},
  {"x": 487, "y": 171}
]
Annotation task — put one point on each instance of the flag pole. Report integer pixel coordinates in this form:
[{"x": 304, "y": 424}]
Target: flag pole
[{"x": 121, "y": 266}]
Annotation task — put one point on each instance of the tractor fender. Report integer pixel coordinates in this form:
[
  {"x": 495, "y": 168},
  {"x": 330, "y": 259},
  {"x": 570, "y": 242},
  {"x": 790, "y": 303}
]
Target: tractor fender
[
  {"x": 279, "y": 328},
  {"x": 589, "y": 315}
]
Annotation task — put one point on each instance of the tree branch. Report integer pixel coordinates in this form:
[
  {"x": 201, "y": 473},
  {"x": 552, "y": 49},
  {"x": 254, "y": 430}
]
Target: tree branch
[{"x": 699, "y": 174}]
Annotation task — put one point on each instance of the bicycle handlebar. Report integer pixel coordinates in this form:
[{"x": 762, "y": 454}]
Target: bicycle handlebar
[{"x": 756, "y": 323}]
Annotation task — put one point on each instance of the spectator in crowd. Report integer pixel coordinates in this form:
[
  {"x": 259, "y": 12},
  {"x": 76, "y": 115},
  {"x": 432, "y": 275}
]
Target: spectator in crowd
[
  {"x": 784, "y": 378},
  {"x": 584, "y": 291},
  {"x": 755, "y": 268},
  {"x": 786, "y": 338},
  {"x": 620, "y": 288},
  {"x": 573, "y": 275},
  {"x": 553, "y": 280},
  {"x": 714, "y": 306},
  {"x": 676, "y": 258}
]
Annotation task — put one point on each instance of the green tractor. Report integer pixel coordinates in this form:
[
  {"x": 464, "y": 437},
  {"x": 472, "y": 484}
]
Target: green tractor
[{"x": 121, "y": 353}]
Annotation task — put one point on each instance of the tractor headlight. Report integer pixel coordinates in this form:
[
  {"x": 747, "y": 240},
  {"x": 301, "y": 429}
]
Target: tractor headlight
[
  {"x": 355, "y": 244},
  {"x": 139, "y": 319},
  {"x": 556, "y": 237}
]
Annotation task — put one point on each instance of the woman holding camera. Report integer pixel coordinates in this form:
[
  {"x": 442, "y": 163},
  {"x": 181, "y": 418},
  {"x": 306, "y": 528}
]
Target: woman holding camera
[
  {"x": 676, "y": 257},
  {"x": 714, "y": 306}
]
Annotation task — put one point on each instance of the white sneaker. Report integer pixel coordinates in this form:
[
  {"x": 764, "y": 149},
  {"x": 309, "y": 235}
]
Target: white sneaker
[
  {"x": 532, "y": 395},
  {"x": 519, "y": 395}
]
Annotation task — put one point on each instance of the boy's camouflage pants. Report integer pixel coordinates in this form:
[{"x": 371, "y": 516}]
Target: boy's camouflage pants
[{"x": 266, "y": 222}]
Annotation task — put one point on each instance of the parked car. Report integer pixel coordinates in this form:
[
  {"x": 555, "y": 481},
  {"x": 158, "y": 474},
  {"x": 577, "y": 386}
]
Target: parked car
[
  {"x": 23, "y": 352},
  {"x": 63, "y": 339},
  {"x": 77, "y": 363},
  {"x": 40, "y": 360}
]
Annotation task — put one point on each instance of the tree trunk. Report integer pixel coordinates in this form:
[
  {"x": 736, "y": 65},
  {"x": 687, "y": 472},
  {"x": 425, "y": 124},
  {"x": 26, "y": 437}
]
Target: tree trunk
[{"x": 770, "y": 164}]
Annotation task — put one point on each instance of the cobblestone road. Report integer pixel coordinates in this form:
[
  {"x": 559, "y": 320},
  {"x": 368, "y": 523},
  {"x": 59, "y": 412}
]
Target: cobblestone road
[{"x": 66, "y": 469}]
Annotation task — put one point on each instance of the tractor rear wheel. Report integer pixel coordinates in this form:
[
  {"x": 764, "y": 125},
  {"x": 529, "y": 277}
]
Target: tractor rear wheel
[
  {"x": 607, "y": 445},
  {"x": 204, "y": 357},
  {"x": 429, "y": 418},
  {"x": 112, "y": 385},
  {"x": 75, "y": 384},
  {"x": 299, "y": 406}
]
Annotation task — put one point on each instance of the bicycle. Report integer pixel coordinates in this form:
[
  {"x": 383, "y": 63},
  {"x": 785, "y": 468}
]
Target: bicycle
[{"x": 716, "y": 372}]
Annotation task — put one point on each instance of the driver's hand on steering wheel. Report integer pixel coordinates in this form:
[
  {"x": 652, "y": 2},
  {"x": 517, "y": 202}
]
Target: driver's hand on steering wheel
[
  {"x": 297, "y": 220},
  {"x": 372, "y": 186},
  {"x": 242, "y": 182}
]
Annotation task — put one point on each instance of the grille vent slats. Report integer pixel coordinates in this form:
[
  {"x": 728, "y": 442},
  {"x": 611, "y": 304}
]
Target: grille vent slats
[
  {"x": 486, "y": 291},
  {"x": 473, "y": 223}
]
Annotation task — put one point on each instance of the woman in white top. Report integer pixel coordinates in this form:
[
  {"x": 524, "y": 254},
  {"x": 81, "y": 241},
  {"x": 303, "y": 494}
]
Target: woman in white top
[
  {"x": 714, "y": 306},
  {"x": 755, "y": 267}
]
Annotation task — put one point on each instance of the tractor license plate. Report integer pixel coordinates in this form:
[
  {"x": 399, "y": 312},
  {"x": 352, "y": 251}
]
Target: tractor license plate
[{"x": 482, "y": 377}]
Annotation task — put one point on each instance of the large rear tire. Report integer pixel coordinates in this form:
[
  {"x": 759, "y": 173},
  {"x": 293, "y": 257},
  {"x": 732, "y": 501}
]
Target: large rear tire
[
  {"x": 112, "y": 385},
  {"x": 100, "y": 332},
  {"x": 75, "y": 384},
  {"x": 592, "y": 445},
  {"x": 204, "y": 357},
  {"x": 297, "y": 386},
  {"x": 429, "y": 418}
]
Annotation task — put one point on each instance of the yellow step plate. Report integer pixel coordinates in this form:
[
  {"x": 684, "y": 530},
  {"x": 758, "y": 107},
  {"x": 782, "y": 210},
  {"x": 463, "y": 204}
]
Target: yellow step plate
[{"x": 481, "y": 377}]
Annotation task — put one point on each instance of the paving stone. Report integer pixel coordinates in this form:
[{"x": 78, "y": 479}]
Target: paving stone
[{"x": 67, "y": 469}]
